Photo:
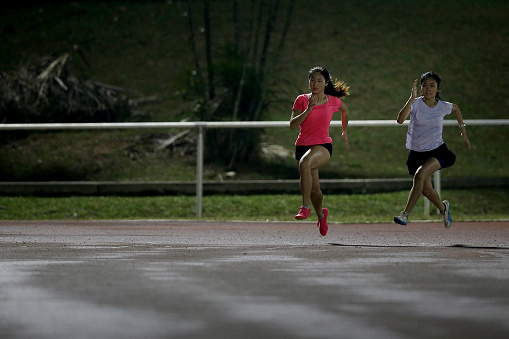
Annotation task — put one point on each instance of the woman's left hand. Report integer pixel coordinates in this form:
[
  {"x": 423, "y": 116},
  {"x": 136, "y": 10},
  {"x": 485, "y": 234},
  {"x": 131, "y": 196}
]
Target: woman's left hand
[
  {"x": 465, "y": 139},
  {"x": 463, "y": 130},
  {"x": 345, "y": 138}
]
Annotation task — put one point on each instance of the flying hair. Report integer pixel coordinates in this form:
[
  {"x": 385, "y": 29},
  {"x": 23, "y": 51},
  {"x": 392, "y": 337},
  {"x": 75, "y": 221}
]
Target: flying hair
[{"x": 335, "y": 88}]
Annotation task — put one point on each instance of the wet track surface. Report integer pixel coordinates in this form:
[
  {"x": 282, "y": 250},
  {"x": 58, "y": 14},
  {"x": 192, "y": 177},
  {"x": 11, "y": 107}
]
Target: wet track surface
[{"x": 170, "y": 279}]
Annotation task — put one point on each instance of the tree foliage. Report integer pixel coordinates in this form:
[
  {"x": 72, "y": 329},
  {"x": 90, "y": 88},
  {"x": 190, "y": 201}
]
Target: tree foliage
[{"x": 229, "y": 80}]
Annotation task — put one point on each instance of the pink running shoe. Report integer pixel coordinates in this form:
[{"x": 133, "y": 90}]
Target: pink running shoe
[
  {"x": 303, "y": 213},
  {"x": 322, "y": 223}
]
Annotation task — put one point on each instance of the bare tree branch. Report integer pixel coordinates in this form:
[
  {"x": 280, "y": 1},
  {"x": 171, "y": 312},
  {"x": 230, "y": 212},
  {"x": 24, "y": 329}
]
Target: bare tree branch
[
  {"x": 208, "y": 51},
  {"x": 268, "y": 33},
  {"x": 236, "y": 29},
  {"x": 192, "y": 40}
]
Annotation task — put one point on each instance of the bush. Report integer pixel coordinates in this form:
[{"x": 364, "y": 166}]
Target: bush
[{"x": 46, "y": 91}]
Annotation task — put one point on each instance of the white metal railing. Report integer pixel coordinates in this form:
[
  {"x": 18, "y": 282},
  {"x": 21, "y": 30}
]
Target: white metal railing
[
  {"x": 224, "y": 124},
  {"x": 202, "y": 125}
]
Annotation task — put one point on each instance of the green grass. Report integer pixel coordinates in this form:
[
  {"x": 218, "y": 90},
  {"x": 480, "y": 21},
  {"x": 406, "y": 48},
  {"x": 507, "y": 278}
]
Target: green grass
[
  {"x": 377, "y": 47},
  {"x": 374, "y": 152},
  {"x": 478, "y": 204}
]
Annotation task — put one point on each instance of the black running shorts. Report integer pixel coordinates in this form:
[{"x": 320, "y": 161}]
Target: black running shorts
[
  {"x": 301, "y": 150},
  {"x": 445, "y": 157}
]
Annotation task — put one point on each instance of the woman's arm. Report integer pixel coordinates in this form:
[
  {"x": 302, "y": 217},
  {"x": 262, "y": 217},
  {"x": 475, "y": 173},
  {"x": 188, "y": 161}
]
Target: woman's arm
[
  {"x": 405, "y": 111},
  {"x": 463, "y": 130},
  {"x": 344, "y": 122},
  {"x": 299, "y": 116}
]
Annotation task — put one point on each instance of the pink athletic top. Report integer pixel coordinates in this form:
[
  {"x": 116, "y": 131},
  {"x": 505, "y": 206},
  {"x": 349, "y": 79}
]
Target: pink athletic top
[{"x": 315, "y": 128}]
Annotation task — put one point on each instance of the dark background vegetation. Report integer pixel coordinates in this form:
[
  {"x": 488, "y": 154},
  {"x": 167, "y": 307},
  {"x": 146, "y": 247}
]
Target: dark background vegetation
[{"x": 377, "y": 47}]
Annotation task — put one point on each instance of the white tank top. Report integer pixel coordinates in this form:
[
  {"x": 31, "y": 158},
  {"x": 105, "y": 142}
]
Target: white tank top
[{"x": 426, "y": 125}]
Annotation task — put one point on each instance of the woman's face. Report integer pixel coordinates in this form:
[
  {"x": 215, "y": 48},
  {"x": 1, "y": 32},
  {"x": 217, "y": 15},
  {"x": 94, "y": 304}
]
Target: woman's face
[
  {"x": 429, "y": 88},
  {"x": 317, "y": 83}
]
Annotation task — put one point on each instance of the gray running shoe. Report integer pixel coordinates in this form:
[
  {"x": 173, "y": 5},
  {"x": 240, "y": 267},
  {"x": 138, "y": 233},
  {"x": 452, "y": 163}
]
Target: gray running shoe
[
  {"x": 447, "y": 214},
  {"x": 402, "y": 218}
]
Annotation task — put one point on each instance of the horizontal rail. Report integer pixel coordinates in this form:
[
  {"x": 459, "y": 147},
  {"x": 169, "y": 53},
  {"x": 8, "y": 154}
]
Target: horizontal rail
[{"x": 225, "y": 124}]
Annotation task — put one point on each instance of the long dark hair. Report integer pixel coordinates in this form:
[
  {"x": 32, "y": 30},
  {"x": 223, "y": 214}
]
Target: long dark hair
[
  {"x": 337, "y": 88},
  {"x": 435, "y": 77}
]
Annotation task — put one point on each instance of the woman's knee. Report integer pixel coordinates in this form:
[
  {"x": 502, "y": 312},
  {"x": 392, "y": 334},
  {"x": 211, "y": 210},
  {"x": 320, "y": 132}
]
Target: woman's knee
[
  {"x": 424, "y": 172},
  {"x": 419, "y": 175},
  {"x": 315, "y": 158},
  {"x": 304, "y": 164},
  {"x": 428, "y": 192}
]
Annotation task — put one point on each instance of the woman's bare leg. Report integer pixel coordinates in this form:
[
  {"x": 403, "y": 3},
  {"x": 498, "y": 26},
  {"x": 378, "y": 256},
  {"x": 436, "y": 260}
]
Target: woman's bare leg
[
  {"x": 315, "y": 158},
  {"x": 422, "y": 176},
  {"x": 432, "y": 195},
  {"x": 316, "y": 194}
]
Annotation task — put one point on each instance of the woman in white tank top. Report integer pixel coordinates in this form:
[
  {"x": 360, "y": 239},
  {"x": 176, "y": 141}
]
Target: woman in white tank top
[{"x": 427, "y": 151}]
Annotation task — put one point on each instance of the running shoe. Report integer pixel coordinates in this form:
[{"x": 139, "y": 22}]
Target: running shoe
[
  {"x": 402, "y": 218},
  {"x": 322, "y": 223},
  {"x": 303, "y": 213},
  {"x": 447, "y": 214}
]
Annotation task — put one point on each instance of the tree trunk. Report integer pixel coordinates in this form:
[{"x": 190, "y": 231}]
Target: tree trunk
[{"x": 208, "y": 49}]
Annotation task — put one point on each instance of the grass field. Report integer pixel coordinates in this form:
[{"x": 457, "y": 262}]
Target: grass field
[
  {"x": 377, "y": 47},
  {"x": 478, "y": 204}
]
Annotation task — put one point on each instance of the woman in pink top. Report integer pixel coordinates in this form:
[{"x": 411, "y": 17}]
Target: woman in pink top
[{"x": 312, "y": 113}]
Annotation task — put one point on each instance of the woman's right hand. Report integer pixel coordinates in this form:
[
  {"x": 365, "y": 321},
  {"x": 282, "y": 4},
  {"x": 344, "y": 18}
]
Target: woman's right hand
[
  {"x": 405, "y": 111},
  {"x": 312, "y": 101},
  {"x": 414, "y": 89}
]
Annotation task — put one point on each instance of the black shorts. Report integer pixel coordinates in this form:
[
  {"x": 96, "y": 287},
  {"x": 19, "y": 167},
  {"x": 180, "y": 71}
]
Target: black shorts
[
  {"x": 445, "y": 157},
  {"x": 301, "y": 150}
]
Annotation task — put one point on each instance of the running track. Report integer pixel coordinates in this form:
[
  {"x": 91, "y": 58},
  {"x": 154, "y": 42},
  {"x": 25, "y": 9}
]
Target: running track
[{"x": 188, "y": 279}]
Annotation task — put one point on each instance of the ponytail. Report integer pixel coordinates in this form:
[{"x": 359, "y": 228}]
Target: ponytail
[{"x": 337, "y": 88}]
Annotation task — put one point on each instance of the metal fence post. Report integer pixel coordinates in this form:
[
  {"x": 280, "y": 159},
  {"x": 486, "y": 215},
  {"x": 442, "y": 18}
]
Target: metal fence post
[{"x": 199, "y": 171}]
